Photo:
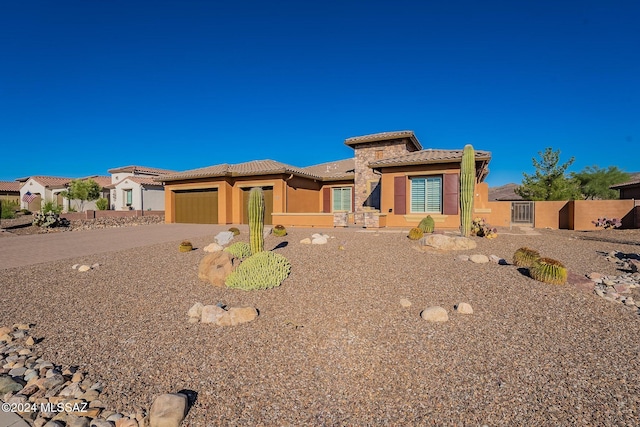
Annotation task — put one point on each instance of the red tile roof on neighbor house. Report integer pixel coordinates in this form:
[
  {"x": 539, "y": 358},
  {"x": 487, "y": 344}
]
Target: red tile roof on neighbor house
[
  {"x": 255, "y": 167},
  {"x": 103, "y": 181},
  {"x": 633, "y": 183},
  {"x": 9, "y": 187},
  {"x": 141, "y": 170},
  {"x": 384, "y": 136},
  {"x": 47, "y": 181}
]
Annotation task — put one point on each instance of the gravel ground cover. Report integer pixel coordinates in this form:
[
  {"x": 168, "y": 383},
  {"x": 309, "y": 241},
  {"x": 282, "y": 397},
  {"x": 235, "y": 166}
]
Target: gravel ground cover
[{"x": 333, "y": 345}]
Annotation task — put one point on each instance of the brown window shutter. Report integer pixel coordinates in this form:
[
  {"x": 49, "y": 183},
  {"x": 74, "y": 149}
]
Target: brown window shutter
[
  {"x": 400, "y": 195},
  {"x": 326, "y": 200},
  {"x": 451, "y": 190}
]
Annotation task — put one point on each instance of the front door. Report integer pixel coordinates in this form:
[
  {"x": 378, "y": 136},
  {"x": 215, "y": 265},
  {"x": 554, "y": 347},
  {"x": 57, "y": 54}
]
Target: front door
[{"x": 268, "y": 205}]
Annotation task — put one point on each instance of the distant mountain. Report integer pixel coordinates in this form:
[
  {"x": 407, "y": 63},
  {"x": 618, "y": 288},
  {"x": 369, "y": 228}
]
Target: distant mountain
[{"x": 504, "y": 192}]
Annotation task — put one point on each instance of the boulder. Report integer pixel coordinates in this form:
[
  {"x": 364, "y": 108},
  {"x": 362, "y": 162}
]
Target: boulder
[
  {"x": 464, "y": 308},
  {"x": 168, "y": 410},
  {"x": 8, "y": 385},
  {"x": 435, "y": 314},
  {"x": 320, "y": 240},
  {"x": 479, "y": 259},
  {"x": 447, "y": 243},
  {"x": 215, "y": 267},
  {"x": 195, "y": 310},
  {"x": 223, "y": 237},
  {"x": 212, "y": 314},
  {"x": 213, "y": 247},
  {"x": 239, "y": 315}
]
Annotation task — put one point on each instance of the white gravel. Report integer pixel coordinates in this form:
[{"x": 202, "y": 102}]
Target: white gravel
[{"x": 334, "y": 346}]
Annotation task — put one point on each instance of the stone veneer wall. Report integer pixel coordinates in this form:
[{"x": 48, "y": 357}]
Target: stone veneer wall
[{"x": 366, "y": 153}]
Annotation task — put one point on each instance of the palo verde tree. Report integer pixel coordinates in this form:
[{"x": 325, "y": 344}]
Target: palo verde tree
[
  {"x": 550, "y": 181},
  {"x": 82, "y": 190},
  {"x": 595, "y": 182}
]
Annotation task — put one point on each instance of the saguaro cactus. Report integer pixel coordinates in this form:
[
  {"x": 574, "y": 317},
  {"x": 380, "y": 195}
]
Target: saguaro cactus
[
  {"x": 467, "y": 187},
  {"x": 256, "y": 220}
]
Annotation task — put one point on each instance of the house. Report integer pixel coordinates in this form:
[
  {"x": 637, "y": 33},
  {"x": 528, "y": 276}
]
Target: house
[
  {"x": 629, "y": 189},
  {"x": 10, "y": 191},
  {"x": 390, "y": 181},
  {"x": 133, "y": 188},
  {"x": 37, "y": 190},
  {"x": 77, "y": 205}
]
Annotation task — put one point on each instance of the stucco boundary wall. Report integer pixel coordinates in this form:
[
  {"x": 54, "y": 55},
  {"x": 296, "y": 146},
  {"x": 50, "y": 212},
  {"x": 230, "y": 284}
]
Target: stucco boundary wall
[
  {"x": 569, "y": 215},
  {"x": 91, "y": 214}
]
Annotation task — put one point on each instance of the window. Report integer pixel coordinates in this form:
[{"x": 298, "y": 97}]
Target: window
[
  {"x": 342, "y": 199},
  {"x": 128, "y": 196},
  {"x": 379, "y": 154},
  {"x": 426, "y": 194}
]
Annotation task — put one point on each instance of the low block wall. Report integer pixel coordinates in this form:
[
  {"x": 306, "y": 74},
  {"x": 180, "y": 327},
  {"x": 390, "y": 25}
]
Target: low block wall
[
  {"x": 73, "y": 216},
  {"x": 303, "y": 219},
  {"x": 585, "y": 211}
]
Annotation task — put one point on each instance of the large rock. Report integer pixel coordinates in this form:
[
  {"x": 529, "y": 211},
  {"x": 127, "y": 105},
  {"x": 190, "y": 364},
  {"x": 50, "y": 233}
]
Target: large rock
[
  {"x": 464, "y": 308},
  {"x": 195, "y": 310},
  {"x": 168, "y": 410},
  {"x": 213, "y": 247},
  {"x": 479, "y": 259},
  {"x": 435, "y": 314},
  {"x": 239, "y": 315},
  {"x": 215, "y": 267},
  {"x": 212, "y": 314},
  {"x": 224, "y": 237},
  {"x": 8, "y": 385},
  {"x": 447, "y": 243},
  {"x": 320, "y": 240},
  {"x": 231, "y": 317}
]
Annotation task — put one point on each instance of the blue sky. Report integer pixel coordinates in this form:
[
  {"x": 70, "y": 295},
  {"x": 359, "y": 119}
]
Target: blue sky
[{"x": 86, "y": 86}]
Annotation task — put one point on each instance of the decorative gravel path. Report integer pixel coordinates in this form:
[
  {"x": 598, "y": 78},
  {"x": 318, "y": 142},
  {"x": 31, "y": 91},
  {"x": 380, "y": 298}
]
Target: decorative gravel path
[{"x": 334, "y": 346}]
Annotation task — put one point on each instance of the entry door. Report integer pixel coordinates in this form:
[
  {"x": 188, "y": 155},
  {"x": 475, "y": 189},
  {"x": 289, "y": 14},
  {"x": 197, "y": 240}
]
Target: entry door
[{"x": 268, "y": 205}]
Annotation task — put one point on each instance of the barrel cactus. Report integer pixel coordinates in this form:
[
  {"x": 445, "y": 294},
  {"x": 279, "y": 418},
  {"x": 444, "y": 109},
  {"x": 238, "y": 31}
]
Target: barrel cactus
[
  {"x": 256, "y": 220},
  {"x": 427, "y": 224},
  {"x": 525, "y": 257},
  {"x": 234, "y": 230},
  {"x": 549, "y": 270},
  {"x": 415, "y": 233},
  {"x": 467, "y": 187},
  {"x": 279, "y": 230},
  {"x": 239, "y": 250},
  {"x": 263, "y": 270},
  {"x": 185, "y": 246}
]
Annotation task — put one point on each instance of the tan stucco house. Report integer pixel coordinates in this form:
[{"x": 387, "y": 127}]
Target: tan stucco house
[{"x": 391, "y": 181}]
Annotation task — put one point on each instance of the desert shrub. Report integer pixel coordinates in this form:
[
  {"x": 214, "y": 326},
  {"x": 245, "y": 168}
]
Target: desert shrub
[
  {"x": 427, "y": 224},
  {"x": 279, "y": 230},
  {"x": 525, "y": 257},
  {"x": 262, "y": 270},
  {"x": 51, "y": 206},
  {"x": 607, "y": 223},
  {"x": 9, "y": 208},
  {"x": 235, "y": 231},
  {"x": 102, "y": 204},
  {"x": 549, "y": 270},
  {"x": 49, "y": 220},
  {"x": 239, "y": 250}
]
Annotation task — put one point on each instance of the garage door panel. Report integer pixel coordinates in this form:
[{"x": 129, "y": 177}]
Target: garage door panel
[{"x": 196, "y": 206}]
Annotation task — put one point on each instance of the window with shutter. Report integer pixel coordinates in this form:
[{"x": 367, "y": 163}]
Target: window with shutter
[
  {"x": 426, "y": 194},
  {"x": 341, "y": 199}
]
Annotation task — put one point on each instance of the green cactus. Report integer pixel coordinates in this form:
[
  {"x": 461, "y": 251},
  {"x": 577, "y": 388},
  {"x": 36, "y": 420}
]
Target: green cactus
[
  {"x": 239, "y": 249},
  {"x": 467, "y": 187},
  {"x": 415, "y": 233},
  {"x": 279, "y": 230},
  {"x": 525, "y": 257},
  {"x": 263, "y": 270},
  {"x": 185, "y": 246},
  {"x": 256, "y": 220},
  {"x": 235, "y": 231},
  {"x": 549, "y": 270},
  {"x": 427, "y": 224}
]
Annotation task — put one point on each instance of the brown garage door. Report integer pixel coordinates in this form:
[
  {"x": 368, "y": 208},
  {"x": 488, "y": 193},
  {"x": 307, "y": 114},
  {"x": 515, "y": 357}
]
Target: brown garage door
[
  {"x": 268, "y": 205},
  {"x": 197, "y": 206}
]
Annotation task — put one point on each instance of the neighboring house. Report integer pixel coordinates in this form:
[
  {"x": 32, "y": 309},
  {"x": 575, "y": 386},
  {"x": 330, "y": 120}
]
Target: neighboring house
[
  {"x": 391, "y": 181},
  {"x": 104, "y": 182},
  {"x": 36, "y": 190},
  {"x": 133, "y": 188},
  {"x": 10, "y": 191},
  {"x": 629, "y": 189}
]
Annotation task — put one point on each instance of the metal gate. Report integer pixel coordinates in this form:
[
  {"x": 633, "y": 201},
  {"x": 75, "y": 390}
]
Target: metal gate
[{"x": 522, "y": 213}]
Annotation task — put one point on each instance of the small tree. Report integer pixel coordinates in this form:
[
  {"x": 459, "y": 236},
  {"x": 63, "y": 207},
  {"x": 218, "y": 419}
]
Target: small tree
[
  {"x": 549, "y": 182},
  {"x": 83, "y": 191},
  {"x": 595, "y": 182}
]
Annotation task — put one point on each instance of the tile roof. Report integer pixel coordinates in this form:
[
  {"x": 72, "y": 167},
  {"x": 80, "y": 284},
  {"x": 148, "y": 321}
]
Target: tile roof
[
  {"x": 625, "y": 184},
  {"x": 103, "y": 181},
  {"x": 340, "y": 169},
  {"x": 255, "y": 167},
  {"x": 430, "y": 155},
  {"x": 48, "y": 181},
  {"x": 383, "y": 136},
  {"x": 9, "y": 186},
  {"x": 141, "y": 169}
]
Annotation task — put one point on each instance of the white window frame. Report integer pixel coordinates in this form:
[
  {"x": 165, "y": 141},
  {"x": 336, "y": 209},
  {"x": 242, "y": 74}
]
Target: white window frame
[
  {"x": 342, "y": 199},
  {"x": 428, "y": 205},
  {"x": 127, "y": 192}
]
